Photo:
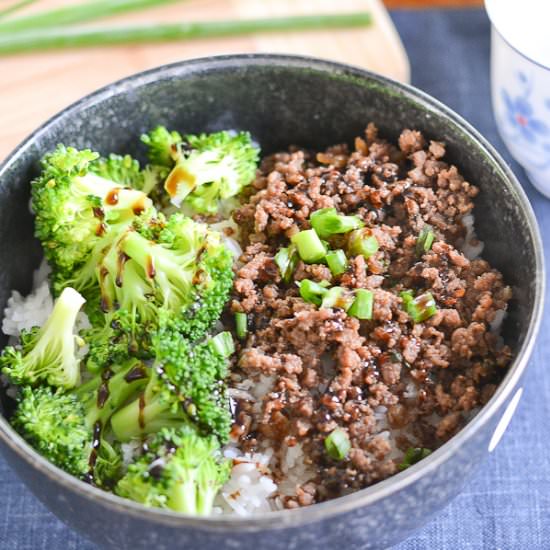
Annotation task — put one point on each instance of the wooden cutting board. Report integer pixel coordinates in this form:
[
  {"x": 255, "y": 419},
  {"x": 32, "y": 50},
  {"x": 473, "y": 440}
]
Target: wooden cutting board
[{"x": 35, "y": 86}]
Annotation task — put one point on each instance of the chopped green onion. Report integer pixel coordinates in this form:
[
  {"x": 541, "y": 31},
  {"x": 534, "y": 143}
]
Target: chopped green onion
[
  {"x": 337, "y": 444},
  {"x": 312, "y": 292},
  {"x": 327, "y": 222},
  {"x": 362, "y": 243},
  {"x": 425, "y": 240},
  {"x": 286, "y": 260},
  {"x": 223, "y": 344},
  {"x": 420, "y": 308},
  {"x": 362, "y": 305},
  {"x": 406, "y": 295},
  {"x": 337, "y": 262},
  {"x": 310, "y": 247},
  {"x": 241, "y": 324},
  {"x": 337, "y": 297},
  {"x": 332, "y": 296},
  {"x": 412, "y": 456}
]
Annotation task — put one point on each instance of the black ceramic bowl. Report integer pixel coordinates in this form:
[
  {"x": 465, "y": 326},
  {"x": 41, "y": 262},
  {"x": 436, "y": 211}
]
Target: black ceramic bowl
[{"x": 282, "y": 101}]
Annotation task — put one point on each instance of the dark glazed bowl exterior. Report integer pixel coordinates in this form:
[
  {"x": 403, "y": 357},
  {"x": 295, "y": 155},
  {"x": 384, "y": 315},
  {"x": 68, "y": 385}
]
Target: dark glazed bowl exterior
[{"x": 282, "y": 100}]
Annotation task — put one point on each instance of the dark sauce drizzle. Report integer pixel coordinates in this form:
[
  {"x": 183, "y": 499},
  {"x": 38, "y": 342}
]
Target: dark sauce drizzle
[
  {"x": 121, "y": 262},
  {"x": 136, "y": 373},
  {"x": 103, "y": 390},
  {"x": 96, "y": 443},
  {"x": 112, "y": 197},
  {"x": 151, "y": 271},
  {"x": 141, "y": 415}
]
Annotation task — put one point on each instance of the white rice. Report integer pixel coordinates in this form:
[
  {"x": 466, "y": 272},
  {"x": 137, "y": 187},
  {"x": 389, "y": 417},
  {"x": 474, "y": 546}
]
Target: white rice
[
  {"x": 130, "y": 451},
  {"x": 25, "y": 312},
  {"x": 496, "y": 324},
  {"x": 250, "y": 486},
  {"x": 33, "y": 310},
  {"x": 472, "y": 246},
  {"x": 236, "y": 393},
  {"x": 230, "y": 232}
]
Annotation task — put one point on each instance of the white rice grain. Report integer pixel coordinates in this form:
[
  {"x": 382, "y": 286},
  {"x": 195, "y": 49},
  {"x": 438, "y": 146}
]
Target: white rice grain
[
  {"x": 496, "y": 323},
  {"x": 250, "y": 487},
  {"x": 472, "y": 246},
  {"x": 130, "y": 451},
  {"x": 24, "y": 313}
]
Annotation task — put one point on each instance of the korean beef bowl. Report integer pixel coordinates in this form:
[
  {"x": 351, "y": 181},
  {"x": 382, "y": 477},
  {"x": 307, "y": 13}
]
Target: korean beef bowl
[{"x": 259, "y": 301}]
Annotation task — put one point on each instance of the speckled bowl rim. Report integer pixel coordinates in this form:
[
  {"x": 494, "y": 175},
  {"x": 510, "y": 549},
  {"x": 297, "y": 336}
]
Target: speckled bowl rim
[{"x": 294, "y": 518}]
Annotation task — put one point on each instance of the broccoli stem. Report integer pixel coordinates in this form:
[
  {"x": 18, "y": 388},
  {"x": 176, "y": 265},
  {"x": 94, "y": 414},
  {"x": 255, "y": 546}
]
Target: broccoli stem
[
  {"x": 54, "y": 348},
  {"x": 205, "y": 498},
  {"x": 183, "y": 496},
  {"x": 73, "y": 14},
  {"x": 141, "y": 417},
  {"x": 124, "y": 286},
  {"x": 166, "y": 267},
  {"x": 55, "y": 38},
  {"x": 108, "y": 394},
  {"x": 64, "y": 313},
  {"x": 188, "y": 471},
  {"x": 151, "y": 257},
  {"x": 125, "y": 202}
]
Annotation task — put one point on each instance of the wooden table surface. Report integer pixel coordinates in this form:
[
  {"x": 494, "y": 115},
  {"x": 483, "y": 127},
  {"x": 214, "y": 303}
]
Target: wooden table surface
[
  {"x": 35, "y": 86},
  {"x": 432, "y": 3}
]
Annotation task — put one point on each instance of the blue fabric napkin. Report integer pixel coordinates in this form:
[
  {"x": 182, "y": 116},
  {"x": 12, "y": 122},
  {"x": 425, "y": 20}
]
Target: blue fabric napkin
[{"x": 506, "y": 506}]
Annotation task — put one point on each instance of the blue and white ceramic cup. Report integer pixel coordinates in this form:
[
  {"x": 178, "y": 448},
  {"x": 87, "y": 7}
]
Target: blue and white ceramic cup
[{"x": 520, "y": 82}]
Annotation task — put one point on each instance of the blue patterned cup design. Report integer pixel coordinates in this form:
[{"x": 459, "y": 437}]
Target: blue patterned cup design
[{"x": 521, "y": 105}]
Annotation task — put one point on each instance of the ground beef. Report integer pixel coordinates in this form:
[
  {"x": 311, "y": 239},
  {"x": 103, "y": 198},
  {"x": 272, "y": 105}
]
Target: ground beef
[{"x": 328, "y": 370}]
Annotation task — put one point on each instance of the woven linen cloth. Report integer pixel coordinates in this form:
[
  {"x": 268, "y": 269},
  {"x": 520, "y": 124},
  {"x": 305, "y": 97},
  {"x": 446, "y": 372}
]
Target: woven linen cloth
[{"x": 506, "y": 505}]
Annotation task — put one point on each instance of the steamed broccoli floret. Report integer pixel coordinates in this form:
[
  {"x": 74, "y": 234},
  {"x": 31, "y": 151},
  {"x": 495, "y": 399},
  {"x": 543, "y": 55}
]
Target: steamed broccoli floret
[
  {"x": 186, "y": 271},
  {"x": 182, "y": 471},
  {"x": 69, "y": 428},
  {"x": 53, "y": 423},
  {"x": 206, "y": 168},
  {"x": 187, "y": 385},
  {"x": 216, "y": 167},
  {"x": 113, "y": 340},
  {"x": 108, "y": 467},
  {"x": 163, "y": 147},
  {"x": 48, "y": 354},
  {"x": 110, "y": 389},
  {"x": 77, "y": 211},
  {"x": 106, "y": 344},
  {"x": 126, "y": 171}
]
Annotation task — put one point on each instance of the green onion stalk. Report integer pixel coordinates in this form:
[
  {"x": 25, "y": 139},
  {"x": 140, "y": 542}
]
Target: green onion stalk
[
  {"x": 313, "y": 292},
  {"x": 287, "y": 260},
  {"x": 425, "y": 240},
  {"x": 412, "y": 456},
  {"x": 361, "y": 242},
  {"x": 328, "y": 222},
  {"x": 15, "y": 7},
  {"x": 32, "y": 39},
  {"x": 80, "y": 13},
  {"x": 241, "y": 325},
  {"x": 362, "y": 305},
  {"x": 310, "y": 247},
  {"x": 337, "y": 262},
  {"x": 337, "y": 444},
  {"x": 420, "y": 308}
]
